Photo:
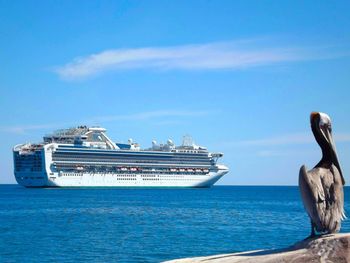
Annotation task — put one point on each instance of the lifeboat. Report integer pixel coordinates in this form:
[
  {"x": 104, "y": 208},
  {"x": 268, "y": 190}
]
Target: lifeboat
[{"x": 123, "y": 169}]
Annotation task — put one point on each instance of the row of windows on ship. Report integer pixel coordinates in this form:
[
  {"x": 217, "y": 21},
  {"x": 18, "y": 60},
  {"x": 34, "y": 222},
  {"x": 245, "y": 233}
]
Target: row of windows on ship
[
  {"x": 131, "y": 177},
  {"x": 131, "y": 159},
  {"x": 135, "y": 170}
]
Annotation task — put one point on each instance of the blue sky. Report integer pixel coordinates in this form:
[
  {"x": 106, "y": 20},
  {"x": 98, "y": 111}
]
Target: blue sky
[{"x": 240, "y": 76}]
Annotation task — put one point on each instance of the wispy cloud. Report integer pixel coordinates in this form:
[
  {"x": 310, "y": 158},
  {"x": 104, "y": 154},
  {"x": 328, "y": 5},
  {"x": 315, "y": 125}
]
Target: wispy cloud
[
  {"x": 284, "y": 153},
  {"x": 296, "y": 138},
  {"x": 342, "y": 137},
  {"x": 289, "y": 139},
  {"x": 277, "y": 144},
  {"x": 21, "y": 129},
  {"x": 162, "y": 117},
  {"x": 211, "y": 56},
  {"x": 143, "y": 116}
]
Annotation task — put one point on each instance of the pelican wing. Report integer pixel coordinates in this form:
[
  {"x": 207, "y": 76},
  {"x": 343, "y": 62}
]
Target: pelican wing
[
  {"x": 337, "y": 193},
  {"x": 323, "y": 198},
  {"x": 313, "y": 196}
]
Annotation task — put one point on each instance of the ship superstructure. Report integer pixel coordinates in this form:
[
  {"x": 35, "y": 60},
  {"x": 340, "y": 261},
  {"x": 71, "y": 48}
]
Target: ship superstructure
[{"x": 86, "y": 156}]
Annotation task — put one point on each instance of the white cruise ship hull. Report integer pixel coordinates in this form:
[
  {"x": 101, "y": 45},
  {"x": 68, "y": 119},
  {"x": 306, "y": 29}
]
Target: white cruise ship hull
[{"x": 64, "y": 179}]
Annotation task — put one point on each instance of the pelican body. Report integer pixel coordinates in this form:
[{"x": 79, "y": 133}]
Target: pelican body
[{"x": 321, "y": 188}]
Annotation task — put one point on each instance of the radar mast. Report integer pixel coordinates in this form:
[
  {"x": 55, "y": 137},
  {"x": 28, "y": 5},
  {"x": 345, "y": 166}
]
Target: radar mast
[{"x": 187, "y": 141}]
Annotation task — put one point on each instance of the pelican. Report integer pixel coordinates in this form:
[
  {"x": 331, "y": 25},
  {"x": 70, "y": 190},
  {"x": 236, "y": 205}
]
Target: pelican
[{"x": 321, "y": 188}]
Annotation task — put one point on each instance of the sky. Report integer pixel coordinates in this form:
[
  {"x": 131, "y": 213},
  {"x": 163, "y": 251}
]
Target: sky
[{"x": 241, "y": 77}]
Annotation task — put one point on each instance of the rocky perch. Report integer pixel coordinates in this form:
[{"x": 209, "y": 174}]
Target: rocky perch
[{"x": 330, "y": 248}]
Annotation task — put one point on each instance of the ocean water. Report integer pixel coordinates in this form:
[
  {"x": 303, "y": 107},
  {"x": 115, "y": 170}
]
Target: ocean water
[{"x": 147, "y": 225}]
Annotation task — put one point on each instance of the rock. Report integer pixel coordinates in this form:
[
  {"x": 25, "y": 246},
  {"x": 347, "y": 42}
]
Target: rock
[{"x": 324, "y": 249}]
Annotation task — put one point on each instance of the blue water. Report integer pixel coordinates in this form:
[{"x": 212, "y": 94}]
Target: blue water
[{"x": 147, "y": 225}]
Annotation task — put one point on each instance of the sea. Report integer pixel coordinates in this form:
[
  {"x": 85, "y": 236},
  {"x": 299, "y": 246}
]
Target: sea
[{"x": 148, "y": 224}]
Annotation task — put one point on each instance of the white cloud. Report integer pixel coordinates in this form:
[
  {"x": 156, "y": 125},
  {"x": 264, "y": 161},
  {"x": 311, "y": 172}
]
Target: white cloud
[
  {"x": 285, "y": 153},
  {"x": 269, "y": 146},
  {"x": 297, "y": 138},
  {"x": 162, "y": 117},
  {"x": 342, "y": 137},
  {"x": 151, "y": 115},
  {"x": 288, "y": 139},
  {"x": 25, "y": 128},
  {"x": 224, "y": 55}
]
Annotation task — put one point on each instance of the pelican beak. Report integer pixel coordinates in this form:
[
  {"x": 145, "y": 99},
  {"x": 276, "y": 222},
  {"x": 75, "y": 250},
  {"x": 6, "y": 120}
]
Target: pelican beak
[{"x": 325, "y": 130}]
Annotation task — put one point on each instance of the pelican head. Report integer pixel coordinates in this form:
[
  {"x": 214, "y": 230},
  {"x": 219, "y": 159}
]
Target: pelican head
[{"x": 321, "y": 126}]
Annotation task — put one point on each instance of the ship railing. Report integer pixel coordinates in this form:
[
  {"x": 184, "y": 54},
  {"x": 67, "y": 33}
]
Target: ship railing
[{"x": 132, "y": 164}]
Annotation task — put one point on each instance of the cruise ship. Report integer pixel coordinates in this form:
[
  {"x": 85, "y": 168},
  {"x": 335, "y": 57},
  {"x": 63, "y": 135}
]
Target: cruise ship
[{"x": 87, "y": 157}]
